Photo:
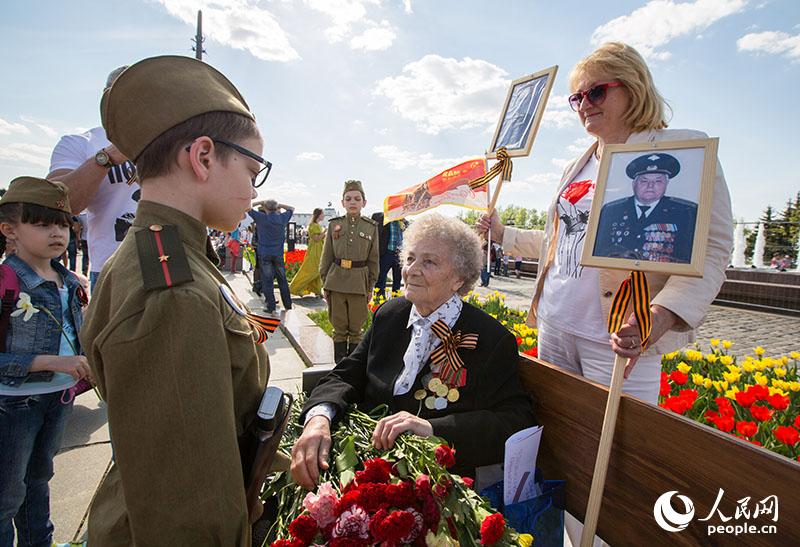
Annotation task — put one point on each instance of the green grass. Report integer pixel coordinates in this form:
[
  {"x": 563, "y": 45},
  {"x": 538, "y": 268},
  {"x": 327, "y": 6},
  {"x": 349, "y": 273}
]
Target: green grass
[{"x": 322, "y": 321}]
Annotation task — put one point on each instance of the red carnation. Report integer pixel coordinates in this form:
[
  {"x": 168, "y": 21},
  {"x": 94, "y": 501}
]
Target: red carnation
[
  {"x": 396, "y": 526},
  {"x": 304, "y": 529},
  {"x": 353, "y": 497},
  {"x": 445, "y": 456},
  {"x": 492, "y": 529},
  {"x": 787, "y": 435},
  {"x": 745, "y": 398},
  {"x": 747, "y": 429},
  {"x": 375, "y": 524},
  {"x": 375, "y": 470},
  {"x": 373, "y": 496},
  {"x": 678, "y": 377},
  {"x": 468, "y": 482},
  {"x": 439, "y": 491},
  {"x": 349, "y": 542},
  {"x": 285, "y": 543},
  {"x": 761, "y": 413},
  {"x": 430, "y": 511},
  {"x": 778, "y": 401}
]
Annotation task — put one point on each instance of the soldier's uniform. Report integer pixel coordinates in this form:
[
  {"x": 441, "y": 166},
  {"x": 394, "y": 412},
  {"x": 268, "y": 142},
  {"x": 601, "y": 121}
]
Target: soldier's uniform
[
  {"x": 349, "y": 269},
  {"x": 664, "y": 234},
  {"x": 178, "y": 366}
]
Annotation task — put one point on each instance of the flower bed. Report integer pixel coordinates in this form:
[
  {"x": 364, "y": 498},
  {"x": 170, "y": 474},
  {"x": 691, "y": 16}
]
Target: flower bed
[
  {"x": 293, "y": 260},
  {"x": 404, "y": 496}
]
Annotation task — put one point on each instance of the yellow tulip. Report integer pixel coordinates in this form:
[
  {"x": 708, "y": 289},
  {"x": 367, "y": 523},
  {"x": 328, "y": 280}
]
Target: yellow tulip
[
  {"x": 760, "y": 379},
  {"x": 720, "y": 386},
  {"x": 759, "y": 350},
  {"x": 774, "y": 391},
  {"x": 727, "y": 344},
  {"x": 784, "y": 360},
  {"x": 794, "y": 386},
  {"x": 707, "y": 383},
  {"x": 731, "y": 393},
  {"x": 715, "y": 342},
  {"x": 760, "y": 364},
  {"x": 726, "y": 360},
  {"x": 795, "y": 355},
  {"x": 748, "y": 366},
  {"x": 525, "y": 540},
  {"x": 684, "y": 368},
  {"x": 731, "y": 376},
  {"x": 697, "y": 379},
  {"x": 529, "y": 341},
  {"x": 780, "y": 372},
  {"x": 711, "y": 358}
]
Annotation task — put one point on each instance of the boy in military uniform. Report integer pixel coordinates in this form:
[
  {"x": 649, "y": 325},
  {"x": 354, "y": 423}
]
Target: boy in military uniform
[
  {"x": 169, "y": 345},
  {"x": 349, "y": 269},
  {"x": 648, "y": 225}
]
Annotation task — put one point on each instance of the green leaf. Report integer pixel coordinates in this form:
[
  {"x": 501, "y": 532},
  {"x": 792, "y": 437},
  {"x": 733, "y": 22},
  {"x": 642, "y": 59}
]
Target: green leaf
[{"x": 347, "y": 460}]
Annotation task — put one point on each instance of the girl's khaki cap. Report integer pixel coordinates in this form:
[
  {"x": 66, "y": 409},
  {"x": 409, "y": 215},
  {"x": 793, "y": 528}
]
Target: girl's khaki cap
[
  {"x": 353, "y": 185},
  {"x": 158, "y": 93},
  {"x": 39, "y": 192}
]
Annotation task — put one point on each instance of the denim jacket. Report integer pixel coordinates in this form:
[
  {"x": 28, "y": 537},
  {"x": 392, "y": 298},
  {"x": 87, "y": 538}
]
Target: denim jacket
[{"x": 40, "y": 334}]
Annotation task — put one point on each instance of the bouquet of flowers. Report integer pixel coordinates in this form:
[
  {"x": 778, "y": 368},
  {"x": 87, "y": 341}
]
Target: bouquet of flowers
[{"x": 405, "y": 496}]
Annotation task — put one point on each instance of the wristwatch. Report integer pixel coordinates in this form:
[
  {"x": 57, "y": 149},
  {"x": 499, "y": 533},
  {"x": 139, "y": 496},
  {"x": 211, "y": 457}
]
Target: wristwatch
[{"x": 103, "y": 159}]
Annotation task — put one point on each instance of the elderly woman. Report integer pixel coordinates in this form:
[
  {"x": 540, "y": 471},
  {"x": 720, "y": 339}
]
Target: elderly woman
[
  {"x": 480, "y": 405},
  {"x": 617, "y": 102}
]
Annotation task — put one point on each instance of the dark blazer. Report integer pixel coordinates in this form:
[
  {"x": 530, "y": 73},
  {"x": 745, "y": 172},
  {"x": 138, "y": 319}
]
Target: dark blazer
[
  {"x": 383, "y": 233},
  {"x": 492, "y": 406},
  {"x": 665, "y": 235}
]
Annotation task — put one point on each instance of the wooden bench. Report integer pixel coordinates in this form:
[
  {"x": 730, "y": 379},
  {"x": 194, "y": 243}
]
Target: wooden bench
[{"x": 656, "y": 451}]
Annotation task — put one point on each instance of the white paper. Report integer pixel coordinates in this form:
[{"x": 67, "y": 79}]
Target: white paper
[{"x": 522, "y": 449}]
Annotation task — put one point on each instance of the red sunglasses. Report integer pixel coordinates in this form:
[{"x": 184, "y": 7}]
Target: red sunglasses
[{"x": 595, "y": 95}]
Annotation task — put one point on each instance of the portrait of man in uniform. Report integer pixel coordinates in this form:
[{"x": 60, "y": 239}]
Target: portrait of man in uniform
[{"x": 649, "y": 224}]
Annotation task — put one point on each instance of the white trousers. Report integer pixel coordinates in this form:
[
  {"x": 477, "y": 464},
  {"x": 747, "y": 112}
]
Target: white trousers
[{"x": 595, "y": 361}]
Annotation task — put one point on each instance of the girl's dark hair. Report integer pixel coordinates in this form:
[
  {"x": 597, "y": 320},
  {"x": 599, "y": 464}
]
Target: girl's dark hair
[
  {"x": 30, "y": 213},
  {"x": 315, "y": 214}
]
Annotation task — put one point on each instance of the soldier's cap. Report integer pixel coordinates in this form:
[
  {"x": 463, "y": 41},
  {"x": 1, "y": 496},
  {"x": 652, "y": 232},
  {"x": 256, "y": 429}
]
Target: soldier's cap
[
  {"x": 158, "y": 93},
  {"x": 654, "y": 163},
  {"x": 353, "y": 185},
  {"x": 53, "y": 195}
]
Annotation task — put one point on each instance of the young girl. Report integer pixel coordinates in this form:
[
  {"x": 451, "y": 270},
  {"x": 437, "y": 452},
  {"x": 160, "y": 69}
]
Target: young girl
[{"x": 40, "y": 360}]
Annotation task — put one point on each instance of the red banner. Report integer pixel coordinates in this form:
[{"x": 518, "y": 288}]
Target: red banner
[{"x": 450, "y": 187}]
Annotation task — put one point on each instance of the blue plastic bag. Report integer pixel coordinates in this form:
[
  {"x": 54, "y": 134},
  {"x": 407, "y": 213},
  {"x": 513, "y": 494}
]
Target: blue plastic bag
[{"x": 542, "y": 516}]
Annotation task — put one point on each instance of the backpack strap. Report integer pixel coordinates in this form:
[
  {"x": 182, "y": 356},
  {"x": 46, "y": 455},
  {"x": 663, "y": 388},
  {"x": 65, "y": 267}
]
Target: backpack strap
[{"x": 9, "y": 292}]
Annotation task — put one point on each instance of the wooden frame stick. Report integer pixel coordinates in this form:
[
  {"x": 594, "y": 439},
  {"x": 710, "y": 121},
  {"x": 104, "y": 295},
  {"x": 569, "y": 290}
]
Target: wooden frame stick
[{"x": 603, "y": 453}]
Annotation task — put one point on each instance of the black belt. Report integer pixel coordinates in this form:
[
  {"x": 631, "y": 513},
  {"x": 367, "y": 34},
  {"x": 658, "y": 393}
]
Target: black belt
[{"x": 347, "y": 264}]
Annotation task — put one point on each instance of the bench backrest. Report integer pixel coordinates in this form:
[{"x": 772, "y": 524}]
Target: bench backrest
[{"x": 656, "y": 451}]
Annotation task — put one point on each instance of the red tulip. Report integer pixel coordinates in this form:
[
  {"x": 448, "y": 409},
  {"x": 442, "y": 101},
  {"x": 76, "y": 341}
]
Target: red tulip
[
  {"x": 787, "y": 435},
  {"x": 678, "y": 377},
  {"x": 746, "y": 429},
  {"x": 745, "y": 398},
  {"x": 778, "y": 401},
  {"x": 761, "y": 413}
]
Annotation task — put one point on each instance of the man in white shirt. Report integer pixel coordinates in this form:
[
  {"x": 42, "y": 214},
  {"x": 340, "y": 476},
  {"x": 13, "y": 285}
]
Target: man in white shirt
[{"x": 98, "y": 177}]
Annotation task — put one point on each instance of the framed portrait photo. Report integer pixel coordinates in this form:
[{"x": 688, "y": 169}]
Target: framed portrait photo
[
  {"x": 522, "y": 113},
  {"x": 651, "y": 207}
]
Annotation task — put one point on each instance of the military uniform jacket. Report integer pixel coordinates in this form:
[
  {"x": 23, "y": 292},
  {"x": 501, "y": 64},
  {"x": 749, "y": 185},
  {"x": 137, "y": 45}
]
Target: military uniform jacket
[
  {"x": 493, "y": 404},
  {"x": 353, "y": 238},
  {"x": 183, "y": 378},
  {"x": 665, "y": 235}
]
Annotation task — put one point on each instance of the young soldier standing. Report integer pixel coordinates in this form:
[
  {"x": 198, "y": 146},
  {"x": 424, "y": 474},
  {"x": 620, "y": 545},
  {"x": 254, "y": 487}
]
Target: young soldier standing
[
  {"x": 175, "y": 360},
  {"x": 349, "y": 269}
]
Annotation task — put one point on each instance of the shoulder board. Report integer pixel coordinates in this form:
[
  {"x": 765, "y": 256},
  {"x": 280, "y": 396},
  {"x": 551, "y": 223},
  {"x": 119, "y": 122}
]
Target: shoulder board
[
  {"x": 371, "y": 221},
  {"x": 681, "y": 201},
  {"x": 335, "y": 219},
  {"x": 162, "y": 257}
]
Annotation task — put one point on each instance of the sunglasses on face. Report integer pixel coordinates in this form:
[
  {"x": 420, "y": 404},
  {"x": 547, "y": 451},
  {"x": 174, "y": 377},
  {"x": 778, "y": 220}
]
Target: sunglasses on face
[
  {"x": 263, "y": 173},
  {"x": 595, "y": 95}
]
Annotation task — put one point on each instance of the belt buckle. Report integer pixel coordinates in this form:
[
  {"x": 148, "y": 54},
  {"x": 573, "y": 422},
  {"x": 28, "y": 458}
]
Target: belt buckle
[{"x": 346, "y": 264}]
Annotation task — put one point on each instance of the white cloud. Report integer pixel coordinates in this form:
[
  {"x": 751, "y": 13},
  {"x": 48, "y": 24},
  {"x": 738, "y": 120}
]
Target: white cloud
[
  {"x": 310, "y": 156},
  {"x": 44, "y": 128},
  {"x": 772, "y": 42},
  {"x": 659, "y": 21},
  {"x": 407, "y": 7},
  {"x": 287, "y": 191},
  {"x": 403, "y": 159},
  {"x": 376, "y": 38},
  {"x": 558, "y": 114},
  {"x": 580, "y": 145},
  {"x": 533, "y": 183},
  {"x": 438, "y": 93},
  {"x": 9, "y": 128},
  {"x": 30, "y": 154},
  {"x": 350, "y": 23},
  {"x": 240, "y": 24}
]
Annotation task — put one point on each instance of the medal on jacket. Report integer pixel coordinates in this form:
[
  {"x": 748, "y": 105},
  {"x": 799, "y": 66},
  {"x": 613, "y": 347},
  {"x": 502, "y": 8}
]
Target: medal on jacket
[
  {"x": 450, "y": 375},
  {"x": 262, "y": 326}
]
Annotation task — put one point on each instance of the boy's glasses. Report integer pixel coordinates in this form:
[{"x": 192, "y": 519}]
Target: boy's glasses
[
  {"x": 262, "y": 175},
  {"x": 595, "y": 95}
]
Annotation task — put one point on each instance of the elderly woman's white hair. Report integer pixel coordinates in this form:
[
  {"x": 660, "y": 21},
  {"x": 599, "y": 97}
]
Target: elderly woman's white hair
[{"x": 463, "y": 242}]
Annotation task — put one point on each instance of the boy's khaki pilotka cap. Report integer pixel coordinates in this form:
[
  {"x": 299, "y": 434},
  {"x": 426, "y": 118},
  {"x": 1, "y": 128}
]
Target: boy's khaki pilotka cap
[
  {"x": 353, "y": 185},
  {"x": 158, "y": 93},
  {"x": 39, "y": 192}
]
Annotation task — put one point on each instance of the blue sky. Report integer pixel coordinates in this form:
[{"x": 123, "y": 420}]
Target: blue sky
[{"x": 392, "y": 92}]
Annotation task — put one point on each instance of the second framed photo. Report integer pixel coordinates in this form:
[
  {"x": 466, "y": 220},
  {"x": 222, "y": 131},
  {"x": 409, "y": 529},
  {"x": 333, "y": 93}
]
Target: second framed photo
[
  {"x": 652, "y": 206},
  {"x": 522, "y": 113}
]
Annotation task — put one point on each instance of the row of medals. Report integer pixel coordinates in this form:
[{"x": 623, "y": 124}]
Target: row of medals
[{"x": 440, "y": 393}]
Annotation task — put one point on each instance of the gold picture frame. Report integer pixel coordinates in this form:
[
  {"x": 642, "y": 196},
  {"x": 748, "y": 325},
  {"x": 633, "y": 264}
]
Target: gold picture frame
[
  {"x": 520, "y": 118},
  {"x": 629, "y": 229}
]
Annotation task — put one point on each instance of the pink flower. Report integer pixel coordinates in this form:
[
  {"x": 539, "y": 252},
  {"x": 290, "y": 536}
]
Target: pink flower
[
  {"x": 353, "y": 523},
  {"x": 322, "y": 505}
]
